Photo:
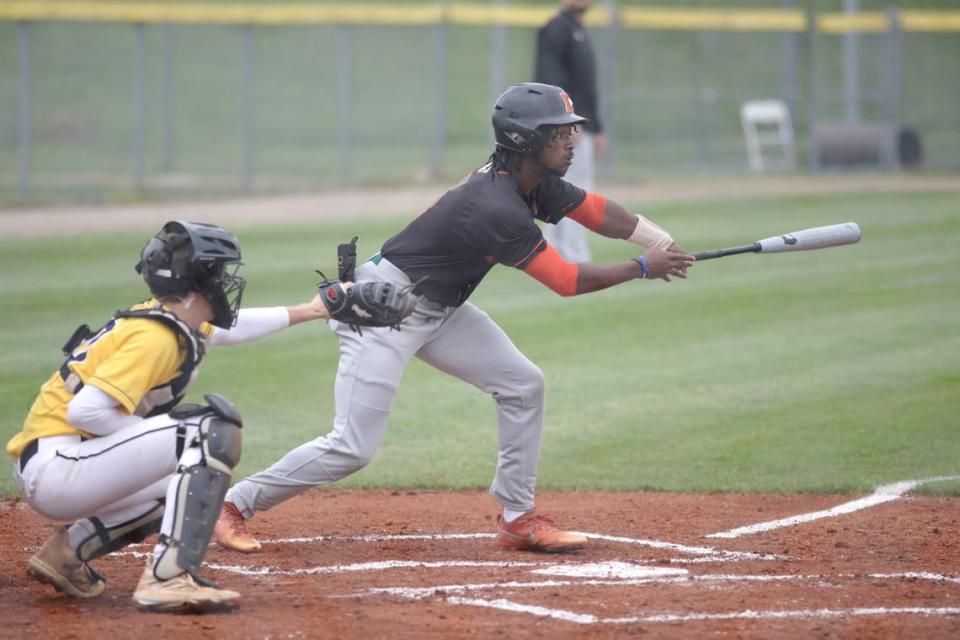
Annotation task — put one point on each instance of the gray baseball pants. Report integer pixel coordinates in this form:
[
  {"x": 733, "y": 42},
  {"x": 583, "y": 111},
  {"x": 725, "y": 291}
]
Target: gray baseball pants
[{"x": 462, "y": 341}]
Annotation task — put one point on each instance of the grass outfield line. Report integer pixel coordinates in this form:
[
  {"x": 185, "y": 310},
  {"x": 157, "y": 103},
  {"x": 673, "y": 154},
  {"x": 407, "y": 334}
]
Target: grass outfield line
[{"x": 828, "y": 371}]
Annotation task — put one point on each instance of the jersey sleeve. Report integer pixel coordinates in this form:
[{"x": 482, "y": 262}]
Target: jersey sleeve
[
  {"x": 148, "y": 356},
  {"x": 511, "y": 237},
  {"x": 555, "y": 198}
]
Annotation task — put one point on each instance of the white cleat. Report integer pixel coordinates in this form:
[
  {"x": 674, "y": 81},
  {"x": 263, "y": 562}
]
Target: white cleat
[{"x": 182, "y": 593}]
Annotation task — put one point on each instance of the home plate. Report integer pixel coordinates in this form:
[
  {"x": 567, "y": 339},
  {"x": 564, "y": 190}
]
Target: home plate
[{"x": 609, "y": 570}]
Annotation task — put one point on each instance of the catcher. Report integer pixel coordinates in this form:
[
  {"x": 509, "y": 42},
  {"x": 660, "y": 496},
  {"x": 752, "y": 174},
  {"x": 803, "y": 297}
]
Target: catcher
[{"x": 106, "y": 445}]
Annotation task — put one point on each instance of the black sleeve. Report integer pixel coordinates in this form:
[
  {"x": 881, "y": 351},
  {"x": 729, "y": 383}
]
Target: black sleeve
[
  {"x": 511, "y": 237},
  {"x": 552, "y": 44},
  {"x": 555, "y": 198}
]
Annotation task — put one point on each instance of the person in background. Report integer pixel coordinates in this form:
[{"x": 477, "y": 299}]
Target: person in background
[{"x": 565, "y": 59}]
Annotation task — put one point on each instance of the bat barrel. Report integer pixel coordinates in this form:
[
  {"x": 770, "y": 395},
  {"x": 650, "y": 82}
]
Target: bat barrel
[{"x": 834, "y": 235}]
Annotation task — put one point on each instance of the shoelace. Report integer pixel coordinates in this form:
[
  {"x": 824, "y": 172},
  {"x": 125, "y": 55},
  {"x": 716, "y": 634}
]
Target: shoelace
[{"x": 538, "y": 521}]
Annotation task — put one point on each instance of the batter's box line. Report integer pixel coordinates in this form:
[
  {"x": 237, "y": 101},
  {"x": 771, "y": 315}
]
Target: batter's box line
[
  {"x": 880, "y": 495},
  {"x": 418, "y": 593},
  {"x": 749, "y": 614},
  {"x": 711, "y": 553}
]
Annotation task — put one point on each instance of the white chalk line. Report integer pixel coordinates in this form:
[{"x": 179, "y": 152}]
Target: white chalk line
[
  {"x": 717, "y": 554},
  {"x": 749, "y": 614},
  {"x": 504, "y": 604},
  {"x": 655, "y": 576},
  {"x": 382, "y": 537},
  {"x": 682, "y": 548},
  {"x": 880, "y": 495},
  {"x": 702, "y": 554},
  {"x": 383, "y": 565},
  {"x": 417, "y": 593}
]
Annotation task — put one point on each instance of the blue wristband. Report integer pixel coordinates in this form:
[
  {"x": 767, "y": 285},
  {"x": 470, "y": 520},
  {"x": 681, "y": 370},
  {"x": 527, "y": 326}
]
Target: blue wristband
[{"x": 644, "y": 267}]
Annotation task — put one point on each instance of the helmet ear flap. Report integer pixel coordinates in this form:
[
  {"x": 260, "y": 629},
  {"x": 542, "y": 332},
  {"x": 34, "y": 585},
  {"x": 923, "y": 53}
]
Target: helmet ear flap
[
  {"x": 157, "y": 266},
  {"x": 516, "y": 136}
]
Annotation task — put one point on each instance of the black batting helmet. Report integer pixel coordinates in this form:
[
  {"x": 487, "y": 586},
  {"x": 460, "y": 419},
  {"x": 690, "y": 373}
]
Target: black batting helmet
[
  {"x": 195, "y": 256},
  {"x": 523, "y": 111}
]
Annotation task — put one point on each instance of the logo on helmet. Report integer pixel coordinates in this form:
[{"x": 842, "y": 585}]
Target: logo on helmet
[
  {"x": 332, "y": 294},
  {"x": 567, "y": 102}
]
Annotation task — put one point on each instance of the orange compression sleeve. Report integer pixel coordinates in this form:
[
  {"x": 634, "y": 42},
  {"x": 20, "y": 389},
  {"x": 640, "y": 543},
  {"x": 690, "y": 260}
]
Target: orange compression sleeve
[
  {"x": 591, "y": 211},
  {"x": 555, "y": 272}
]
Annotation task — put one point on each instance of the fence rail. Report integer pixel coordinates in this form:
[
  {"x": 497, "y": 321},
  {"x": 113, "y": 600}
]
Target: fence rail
[
  {"x": 776, "y": 20},
  {"x": 200, "y": 98}
]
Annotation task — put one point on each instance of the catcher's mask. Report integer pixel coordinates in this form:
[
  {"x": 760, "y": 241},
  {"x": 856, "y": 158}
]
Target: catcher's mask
[
  {"x": 195, "y": 256},
  {"x": 525, "y": 115}
]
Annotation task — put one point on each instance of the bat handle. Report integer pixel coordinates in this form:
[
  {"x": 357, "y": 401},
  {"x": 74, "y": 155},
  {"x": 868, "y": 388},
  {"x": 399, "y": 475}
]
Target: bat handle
[{"x": 732, "y": 251}]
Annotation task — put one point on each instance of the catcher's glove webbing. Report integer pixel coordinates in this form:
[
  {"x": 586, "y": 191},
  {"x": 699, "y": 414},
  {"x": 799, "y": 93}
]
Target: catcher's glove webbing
[
  {"x": 347, "y": 260},
  {"x": 370, "y": 303}
]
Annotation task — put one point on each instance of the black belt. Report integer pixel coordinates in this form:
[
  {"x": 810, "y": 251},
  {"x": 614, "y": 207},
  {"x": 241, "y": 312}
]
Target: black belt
[{"x": 30, "y": 451}]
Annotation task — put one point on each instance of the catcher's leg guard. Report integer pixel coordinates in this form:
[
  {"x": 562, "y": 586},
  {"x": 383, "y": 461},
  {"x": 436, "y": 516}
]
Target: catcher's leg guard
[
  {"x": 196, "y": 498},
  {"x": 106, "y": 540}
]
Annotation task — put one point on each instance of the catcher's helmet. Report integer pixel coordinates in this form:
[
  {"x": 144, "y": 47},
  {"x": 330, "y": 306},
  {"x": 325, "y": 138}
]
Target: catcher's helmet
[
  {"x": 195, "y": 256},
  {"x": 524, "y": 110}
]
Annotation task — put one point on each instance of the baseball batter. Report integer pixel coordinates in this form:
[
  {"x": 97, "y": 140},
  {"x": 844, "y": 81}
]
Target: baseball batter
[
  {"x": 488, "y": 219},
  {"x": 103, "y": 446}
]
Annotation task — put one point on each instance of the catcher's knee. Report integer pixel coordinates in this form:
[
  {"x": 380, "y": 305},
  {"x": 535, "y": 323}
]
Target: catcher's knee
[
  {"x": 219, "y": 436},
  {"x": 201, "y": 488}
]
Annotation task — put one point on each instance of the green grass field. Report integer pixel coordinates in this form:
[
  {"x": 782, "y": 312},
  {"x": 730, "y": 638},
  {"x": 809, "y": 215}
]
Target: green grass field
[{"x": 829, "y": 371}]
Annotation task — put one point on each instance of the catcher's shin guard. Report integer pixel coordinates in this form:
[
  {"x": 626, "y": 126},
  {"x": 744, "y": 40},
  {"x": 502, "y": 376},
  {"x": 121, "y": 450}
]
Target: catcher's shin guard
[
  {"x": 200, "y": 489},
  {"x": 106, "y": 540}
]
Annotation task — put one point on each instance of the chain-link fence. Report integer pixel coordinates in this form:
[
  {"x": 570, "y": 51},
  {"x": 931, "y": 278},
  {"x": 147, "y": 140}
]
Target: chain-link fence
[{"x": 112, "y": 105}]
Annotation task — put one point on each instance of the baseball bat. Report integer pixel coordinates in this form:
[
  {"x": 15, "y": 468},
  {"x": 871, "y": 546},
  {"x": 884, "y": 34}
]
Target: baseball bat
[{"x": 833, "y": 235}]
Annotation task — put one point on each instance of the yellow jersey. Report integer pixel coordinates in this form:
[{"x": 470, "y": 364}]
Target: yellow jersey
[{"x": 131, "y": 359}]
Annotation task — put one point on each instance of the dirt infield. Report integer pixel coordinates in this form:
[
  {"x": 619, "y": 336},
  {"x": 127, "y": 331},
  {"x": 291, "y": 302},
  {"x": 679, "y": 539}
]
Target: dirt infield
[{"x": 404, "y": 564}]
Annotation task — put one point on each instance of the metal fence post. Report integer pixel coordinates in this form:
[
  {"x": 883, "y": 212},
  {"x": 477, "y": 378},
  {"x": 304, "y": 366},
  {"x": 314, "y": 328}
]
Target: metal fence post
[
  {"x": 891, "y": 107},
  {"x": 813, "y": 90},
  {"x": 439, "y": 98},
  {"x": 247, "y": 111},
  {"x": 139, "y": 106},
  {"x": 498, "y": 58},
  {"x": 891, "y": 98},
  {"x": 790, "y": 65},
  {"x": 345, "y": 32},
  {"x": 168, "y": 100},
  {"x": 706, "y": 98},
  {"x": 851, "y": 67},
  {"x": 608, "y": 89},
  {"x": 24, "y": 125}
]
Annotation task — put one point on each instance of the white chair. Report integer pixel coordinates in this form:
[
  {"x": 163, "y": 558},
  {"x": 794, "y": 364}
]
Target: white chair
[{"x": 766, "y": 124}]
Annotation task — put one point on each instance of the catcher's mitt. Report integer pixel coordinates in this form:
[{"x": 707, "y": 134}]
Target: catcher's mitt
[{"x": 369, "y": 303}]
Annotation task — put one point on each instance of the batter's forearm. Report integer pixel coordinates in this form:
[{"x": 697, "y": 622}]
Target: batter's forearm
[
  {"x": 594, "y": 277},
  {"x": 617, "y": 222}
]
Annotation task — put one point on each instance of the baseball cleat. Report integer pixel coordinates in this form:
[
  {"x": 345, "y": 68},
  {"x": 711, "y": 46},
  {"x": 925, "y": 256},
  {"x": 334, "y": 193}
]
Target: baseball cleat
[
  {"x": 182, "y": 593},
  {"x": 56, "y": 564},
  {"x": 534, "y": 532},
  {"x": 231, "y": 532}
]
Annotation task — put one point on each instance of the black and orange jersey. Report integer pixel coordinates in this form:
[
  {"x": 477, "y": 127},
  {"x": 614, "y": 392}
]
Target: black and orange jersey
[{"x": 485, "y": 220}]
